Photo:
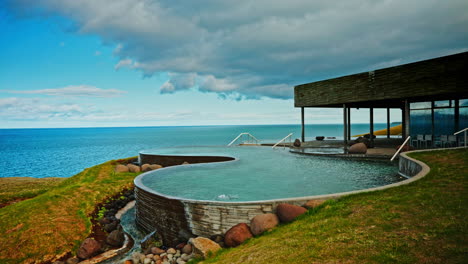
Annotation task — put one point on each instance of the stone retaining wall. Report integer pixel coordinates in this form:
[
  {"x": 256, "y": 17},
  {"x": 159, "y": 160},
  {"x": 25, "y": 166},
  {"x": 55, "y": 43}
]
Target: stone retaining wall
[{"x": 176, "y": 218}]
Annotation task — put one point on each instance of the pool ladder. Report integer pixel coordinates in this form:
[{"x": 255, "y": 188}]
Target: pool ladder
[{"x": 283, "y": 140}]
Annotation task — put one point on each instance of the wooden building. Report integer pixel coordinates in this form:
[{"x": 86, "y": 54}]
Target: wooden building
[{"x": 432, "y": 94}]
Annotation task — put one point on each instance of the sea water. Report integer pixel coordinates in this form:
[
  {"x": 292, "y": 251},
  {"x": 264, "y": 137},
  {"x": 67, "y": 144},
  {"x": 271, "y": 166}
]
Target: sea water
[{"x": 64, "y": 152}]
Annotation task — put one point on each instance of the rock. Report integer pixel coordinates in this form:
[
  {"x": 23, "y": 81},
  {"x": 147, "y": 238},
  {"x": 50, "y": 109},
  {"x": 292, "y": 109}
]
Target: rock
[
  {"x": 358, "y": 148},
  {"x": 116, "y": 238},
  {"x": 362, "y": 140},
  {"x": 171, "y": 251},
  {"x": 262, "y": 223},
  {"x": 137, "y": 257},
  {"x": 156, "y": 257},
  {"x": 133, "y": 168},
  {"x": 217, "y": 238},
  {"x": 157, "y": 251},
  {"x": 202, "y": 246},
  {"x": 297, "y": 143},
  {"x": 313, "y": 203},
  {"x": 121, "y": 168},
  {"x": 185, "y": 257},
  {"x": 177, "y": 254},
  {"x": 155, "y": 166},
  {"x": 149, "y": 255},
  {"x": 237, "y": 235},
  {"x": 111, "y": 227},
  {"x": 180, "y": 245},
  {"x": 147, "y": 261},
  {"x": 58, "y": 262},
  {"x": 128, "y": 261},
  {"x": 179, "y": 261},
  {"x": 88, "y": 248},
  {"x": 187, "y": 249},
  {"x": 288, "y": 212},
  {"x": 145, "y": 167},
  {"x": 185, "y": 163},
  {"x": 105, "y": 220},
  {"x": 73, "y": 260}
]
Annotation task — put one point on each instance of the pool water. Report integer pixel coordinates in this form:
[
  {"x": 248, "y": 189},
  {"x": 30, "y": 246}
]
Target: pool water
[{"x": 263, "y": 173}]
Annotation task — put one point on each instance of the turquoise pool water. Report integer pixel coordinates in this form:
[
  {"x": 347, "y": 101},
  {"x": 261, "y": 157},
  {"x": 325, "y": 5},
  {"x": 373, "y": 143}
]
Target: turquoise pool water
[{"x": 263, "y": 173}]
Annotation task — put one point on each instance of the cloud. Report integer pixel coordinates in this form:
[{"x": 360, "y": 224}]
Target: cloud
[
  {"x": 74, "y": 91},
  {"x": 251, "y": 49}
]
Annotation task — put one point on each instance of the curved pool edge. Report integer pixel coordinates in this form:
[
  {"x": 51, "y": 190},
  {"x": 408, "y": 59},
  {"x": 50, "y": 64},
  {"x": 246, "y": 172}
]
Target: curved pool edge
[{"x": 177, "y": 218}]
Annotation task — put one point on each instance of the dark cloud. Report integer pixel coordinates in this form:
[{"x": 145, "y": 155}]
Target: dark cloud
[{"x": 250, "y": 49}]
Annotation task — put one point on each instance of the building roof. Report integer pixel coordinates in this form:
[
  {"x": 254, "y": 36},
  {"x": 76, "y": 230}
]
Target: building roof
[{"x": 435, "y": 79}]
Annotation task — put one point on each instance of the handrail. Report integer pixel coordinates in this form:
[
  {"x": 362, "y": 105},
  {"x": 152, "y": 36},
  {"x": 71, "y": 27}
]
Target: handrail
[
  {"x": 240, "y": 135},
  {"x": 402, "y": 145},
  {"x": 290, "y": 134},
  {"x": 463, "y": 130}
]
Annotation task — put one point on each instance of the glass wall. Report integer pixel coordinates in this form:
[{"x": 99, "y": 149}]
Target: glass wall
[{"x": 433, "y": 123}]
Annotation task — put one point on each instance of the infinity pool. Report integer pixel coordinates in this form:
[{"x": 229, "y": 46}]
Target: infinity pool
[{"x": 262, "y": 173}]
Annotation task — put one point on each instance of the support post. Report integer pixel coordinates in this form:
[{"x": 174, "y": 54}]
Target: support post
[
  {"x": 302, "y": 127},
  {"x": 388, "y": 122},
  {"x": 349, "y": 124},
  {"x": 371, "y": 116},
  {"x": 403, "y": 123},
  {"x": 407, "y": 119},
  {"x": 345, "y": 128}
]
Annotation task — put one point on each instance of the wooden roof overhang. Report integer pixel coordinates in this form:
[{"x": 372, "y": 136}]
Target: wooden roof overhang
[{"x": 435, "y": 79}]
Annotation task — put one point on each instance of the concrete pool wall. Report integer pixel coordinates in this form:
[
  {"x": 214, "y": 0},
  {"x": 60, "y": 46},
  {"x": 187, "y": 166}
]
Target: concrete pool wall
[{"x": 176, "y": 218}]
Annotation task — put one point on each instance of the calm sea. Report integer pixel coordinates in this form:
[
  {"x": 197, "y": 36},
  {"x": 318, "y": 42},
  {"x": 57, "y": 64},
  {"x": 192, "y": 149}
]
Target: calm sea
[{"x": 64, "y": 152}]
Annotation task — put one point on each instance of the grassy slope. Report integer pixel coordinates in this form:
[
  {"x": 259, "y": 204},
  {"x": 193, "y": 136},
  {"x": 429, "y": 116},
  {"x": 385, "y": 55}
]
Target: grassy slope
[
  {"x": 423, "y": 222},
  {"x": 14, "y": 188},
  {"x": 55, "y": 222}
]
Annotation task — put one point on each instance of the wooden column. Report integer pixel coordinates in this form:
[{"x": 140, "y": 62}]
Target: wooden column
[
  {"x": 403, "y": 123},
  {"x": 345, "y": 127},
  {"x": 349, "y": 123},
  {"x": 371, "y": 128},
  {"x": 407, "y": 119},
  {"x": 388, "y": 122},
  {"x": 302, "y": 127}
]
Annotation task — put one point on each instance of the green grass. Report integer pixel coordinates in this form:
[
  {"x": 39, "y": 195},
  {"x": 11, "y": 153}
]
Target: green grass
[
  {"x": 423, "y": 222},
  {"x": 55, "y": 221},
  {"x": 20, "y": 188}
]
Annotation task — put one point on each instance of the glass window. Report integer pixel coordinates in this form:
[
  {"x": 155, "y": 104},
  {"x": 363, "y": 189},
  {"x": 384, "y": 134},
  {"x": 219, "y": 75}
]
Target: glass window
[
  {"x": 444, "y": 121},
  {"x": 420, "y": 105},
  {"x": 420, "y": 122},
  {"x": 445, "y": 103},
  {"x": 463, "y": 118},
  {"x": 463, "y": 102}
]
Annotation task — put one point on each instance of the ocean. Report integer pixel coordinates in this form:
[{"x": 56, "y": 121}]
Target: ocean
[{"x": 64, "y": 152}]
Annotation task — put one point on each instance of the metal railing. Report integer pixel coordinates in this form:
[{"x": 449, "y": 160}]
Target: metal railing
[
  {"x": 463, "y": 130},
  {"x": 249, "y": 136},
  {"x": 282, "y": 140},
  {"x": 401, "y": 147}
]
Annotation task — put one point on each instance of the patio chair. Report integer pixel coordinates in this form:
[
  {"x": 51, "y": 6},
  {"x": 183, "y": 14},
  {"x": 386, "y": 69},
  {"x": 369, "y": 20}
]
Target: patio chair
[
  {"x": 452, "y": 140},
  {"x": 427, "y": 141},
  {"x": 419, "y": 139}
]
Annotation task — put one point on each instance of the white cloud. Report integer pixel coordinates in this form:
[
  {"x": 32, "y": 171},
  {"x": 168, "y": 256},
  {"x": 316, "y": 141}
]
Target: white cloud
[
  {"x": 74, "y": 91},
  {"x": 264, "y": 48}
]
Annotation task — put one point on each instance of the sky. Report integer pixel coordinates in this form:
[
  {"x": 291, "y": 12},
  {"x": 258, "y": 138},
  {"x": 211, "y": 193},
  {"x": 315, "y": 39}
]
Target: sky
[{"x": 107, "y": 63}]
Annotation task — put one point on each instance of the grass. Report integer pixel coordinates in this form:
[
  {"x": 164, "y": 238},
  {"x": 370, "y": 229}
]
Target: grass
[
  {"x": 423, "y": 222},
  {"x": 20, "y": 188},
  {"x": 54, "y": 222}
]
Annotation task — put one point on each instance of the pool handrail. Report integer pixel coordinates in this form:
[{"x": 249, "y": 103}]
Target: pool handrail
[
  {"x": 401, "y": 147},
  {"x": 288, "y": 136},
  {"x": 240, "y": 135}
]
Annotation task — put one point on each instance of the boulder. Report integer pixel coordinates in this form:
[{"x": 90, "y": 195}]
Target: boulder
[
  {"x": 187, "y": 249},
  {"x": 116, "y": 238},
  {"x": 358, "y": 148},
  {"x": 157, "y": 251},
  {"x": 145, "y": 167},
  {"x": 133, "y": 168},
  {"x": 366, "y": 141},
  {"x": 88, "y": 248},
  {"x": 121, "y": 168},
  {"x": 237, "y": 235},
  {"x": 111, "y": 226},
  {"x": 202, "y": 246},
  {"x": 262, "y": 223},
  {"x": 297, "y": 143},
  {"x": 171, "y": 251},
  {"x": 313, "y": 203},
  {"x": 155, "y": 166},
  {"x": 288, "y": 212},
  {"x": 73, "y": 260}
]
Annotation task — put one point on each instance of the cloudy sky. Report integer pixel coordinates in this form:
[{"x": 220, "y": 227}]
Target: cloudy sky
[{"x": 78, "y": 63}]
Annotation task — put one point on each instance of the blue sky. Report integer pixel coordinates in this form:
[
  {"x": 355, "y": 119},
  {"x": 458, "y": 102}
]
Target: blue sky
[{"x": 88, "y": 63}]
